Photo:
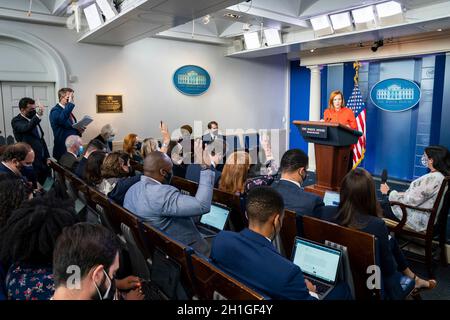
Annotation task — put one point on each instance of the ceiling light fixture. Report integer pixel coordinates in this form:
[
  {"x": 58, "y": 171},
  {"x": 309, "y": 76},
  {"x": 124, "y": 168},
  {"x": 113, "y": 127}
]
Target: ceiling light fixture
[
  {"x": 322, "y": 25},
  {"x": 342, "y": 21},
  {"x": 272, "y": 36},
  {"x": 252, "y": 40},
  {"x": 364, "y": 18},
  {"x": 231, "y": 15},
  {"x": 388, "y": 9},
  {"x": 206, "y": 19}
]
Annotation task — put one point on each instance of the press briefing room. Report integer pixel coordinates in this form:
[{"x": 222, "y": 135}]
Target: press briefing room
[{"x": 186, "y": 151}]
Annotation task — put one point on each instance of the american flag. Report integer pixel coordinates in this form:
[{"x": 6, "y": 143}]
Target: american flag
[{"x": 355, "y": 102}]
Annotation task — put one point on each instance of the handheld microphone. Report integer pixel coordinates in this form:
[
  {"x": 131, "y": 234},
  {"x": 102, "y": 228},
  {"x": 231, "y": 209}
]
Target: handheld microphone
[{"x": 384, "y": 176}]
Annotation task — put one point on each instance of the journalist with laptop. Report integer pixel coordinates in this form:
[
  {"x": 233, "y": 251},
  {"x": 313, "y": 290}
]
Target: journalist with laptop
[{"x": 251, "y": 258}]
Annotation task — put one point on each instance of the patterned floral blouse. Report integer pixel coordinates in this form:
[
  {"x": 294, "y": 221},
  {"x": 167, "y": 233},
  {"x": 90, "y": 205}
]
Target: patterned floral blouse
[
  {"x": 421, "y": 193},
  {"x": 30, "y": 283}
]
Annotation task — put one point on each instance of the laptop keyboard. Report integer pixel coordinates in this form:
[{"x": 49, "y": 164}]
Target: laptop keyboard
[{"x": 321, "y": 288}]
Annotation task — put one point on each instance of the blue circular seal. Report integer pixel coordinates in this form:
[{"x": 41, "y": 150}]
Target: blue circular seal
[
  {"x": 191, "y": 80},
  {"x": 395, "y": 94}
]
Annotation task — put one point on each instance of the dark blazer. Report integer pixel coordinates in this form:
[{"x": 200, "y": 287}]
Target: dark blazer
[
  {"x": 62, "y": 127},
  {"x": 79, "y": 171},
  {"x": 207, "y": 138},
  {"x": 252, "y": 259},
  {"x": 105, "y": 142},
  {"x": 120, "y": 190},
  {"x": 387, "y": 260},
  {"x": 69, "y": 161},
  {"x": 296, "y": 199},
  {"x": 193, "y": 174},
  {"x": 30, "y": 131}
]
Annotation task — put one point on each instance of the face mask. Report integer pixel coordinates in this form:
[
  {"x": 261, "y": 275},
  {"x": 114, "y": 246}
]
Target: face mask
[
  {"x": 214, "y": 131},
  {"x": 31, "y": 114},
  {"x": 424, "y": 161},
  {"x": 26, "y": 170},
  {"x": 111, "y": 139},
  {"x": 131, "y": 172},
  {"x": 109, "y": 292},
  {"x": 138, "y": 146},
  {"x": 304, "y": 177},
  {"x": 275, "y": 232},
  {"x": 80, "y": 151},
  {"x": 168, "y": 178}
]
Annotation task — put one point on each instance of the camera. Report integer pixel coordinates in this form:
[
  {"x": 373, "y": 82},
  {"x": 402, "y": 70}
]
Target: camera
[{"x": 376, "y": 45}]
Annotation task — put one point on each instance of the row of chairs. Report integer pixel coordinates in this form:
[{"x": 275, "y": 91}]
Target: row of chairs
[
  {"x": 201, "y": 279},
  {"x": 360, "y": 246},
  {"x": 198, "y": 278}
]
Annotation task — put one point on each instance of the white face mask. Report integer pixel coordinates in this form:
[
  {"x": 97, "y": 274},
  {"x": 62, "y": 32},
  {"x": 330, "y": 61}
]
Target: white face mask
[
  {"x": 110, "y": 292},
  {"x": 424, "y": 161}
]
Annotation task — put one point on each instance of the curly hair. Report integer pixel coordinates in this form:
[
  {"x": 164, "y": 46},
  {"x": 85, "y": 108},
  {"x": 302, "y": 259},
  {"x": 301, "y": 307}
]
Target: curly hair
[
  {"x": 30, "y": 233},
  {"x": 112, "y": 165},
  {"x": 12, "y": 194}
]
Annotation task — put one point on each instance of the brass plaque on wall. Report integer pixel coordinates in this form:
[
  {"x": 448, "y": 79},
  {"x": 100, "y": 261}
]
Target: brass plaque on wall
[{"x": 109, "y": 103}]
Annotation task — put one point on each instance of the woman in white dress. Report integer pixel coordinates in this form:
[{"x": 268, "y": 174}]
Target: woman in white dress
[{"x": 422, "y": 192}]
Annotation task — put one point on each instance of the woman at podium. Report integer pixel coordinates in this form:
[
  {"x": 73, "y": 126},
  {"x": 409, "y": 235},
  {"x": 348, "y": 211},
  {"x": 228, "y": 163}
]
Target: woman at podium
[{"x": 337, "y": 112}]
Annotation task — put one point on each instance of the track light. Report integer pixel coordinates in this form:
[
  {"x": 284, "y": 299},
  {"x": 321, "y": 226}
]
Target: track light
[{"x": 206, "y": 19}]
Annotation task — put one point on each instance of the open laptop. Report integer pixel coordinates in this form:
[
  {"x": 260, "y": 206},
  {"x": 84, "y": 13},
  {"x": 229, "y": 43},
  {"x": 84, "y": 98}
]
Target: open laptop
[
  {"x": 331, "y": 198},
  {"x": 319, "y": 264},
  {"x": 214, "y": 221}
]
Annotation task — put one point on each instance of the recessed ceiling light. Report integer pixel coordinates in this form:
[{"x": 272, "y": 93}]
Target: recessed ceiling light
[
  {"x": 439, "y": 30},
  {"x": 231, "y": 15},
  {"x": 312, "y": 50}
]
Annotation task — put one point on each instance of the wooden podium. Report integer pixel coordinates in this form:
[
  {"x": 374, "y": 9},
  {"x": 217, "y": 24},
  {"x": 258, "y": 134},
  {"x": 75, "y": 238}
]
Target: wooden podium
[{"x": 332, "y": 143}]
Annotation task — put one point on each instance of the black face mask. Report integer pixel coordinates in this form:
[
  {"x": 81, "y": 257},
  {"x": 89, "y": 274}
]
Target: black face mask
[
  {"x": 31, "y": 114},
  {"x": 131, "y": 171},
  {"x": 138, "y": 146},
  {"x": 304, "y": 177},
  {"x": 168, "y": 177}
]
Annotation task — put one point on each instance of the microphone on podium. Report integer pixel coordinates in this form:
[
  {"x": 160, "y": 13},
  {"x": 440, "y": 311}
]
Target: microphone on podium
[{"x": 384, "y": 176}]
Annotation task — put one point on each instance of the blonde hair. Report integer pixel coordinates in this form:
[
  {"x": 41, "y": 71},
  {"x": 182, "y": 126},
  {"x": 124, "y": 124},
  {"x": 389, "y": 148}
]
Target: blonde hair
[
  {"x": 149, "y": 145},
  {"x": 332, "y": 96},
  {"x": 234, "y": 173}
]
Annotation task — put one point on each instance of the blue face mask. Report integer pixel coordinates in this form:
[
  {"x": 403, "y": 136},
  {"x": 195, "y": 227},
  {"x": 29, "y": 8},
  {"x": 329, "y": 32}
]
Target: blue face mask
[{"x": 80, "y": 151}]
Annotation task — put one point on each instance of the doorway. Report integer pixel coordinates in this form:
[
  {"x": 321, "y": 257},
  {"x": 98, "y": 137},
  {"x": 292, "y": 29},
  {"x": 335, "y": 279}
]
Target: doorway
[{"x": 10, "y": 95}]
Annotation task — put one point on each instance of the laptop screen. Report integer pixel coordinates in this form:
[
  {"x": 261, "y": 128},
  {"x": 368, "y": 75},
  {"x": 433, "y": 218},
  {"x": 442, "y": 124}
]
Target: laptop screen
[
  {"x": 316, "y": 260},
  {"x": 331, "y": 198},
  {"x": 216, "y": 217}
]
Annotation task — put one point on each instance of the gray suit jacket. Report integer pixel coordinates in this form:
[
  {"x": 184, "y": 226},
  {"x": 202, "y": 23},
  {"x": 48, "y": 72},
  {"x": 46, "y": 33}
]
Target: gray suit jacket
[{"x": 164, "y": 207}]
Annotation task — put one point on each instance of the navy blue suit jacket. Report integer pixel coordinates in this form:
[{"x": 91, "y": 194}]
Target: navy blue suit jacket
[
  {"x": 62, "y": 128},
  {"x": 30, "y": 131},
  {"x": 252, "y": 259},
  {"x": 296, "y": 199}
]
